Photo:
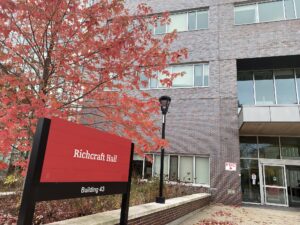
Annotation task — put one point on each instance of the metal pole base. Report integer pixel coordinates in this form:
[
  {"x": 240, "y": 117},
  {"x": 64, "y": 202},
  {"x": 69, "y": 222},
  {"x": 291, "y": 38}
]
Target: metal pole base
[{"x": 161, "y": 200}]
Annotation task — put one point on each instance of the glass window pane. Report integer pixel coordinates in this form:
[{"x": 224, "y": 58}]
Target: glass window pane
[
  {"x": 192, "y": 20},
  {"x": 148, "y": 168},
  {"x": 151, "y": 28},
  {"x": 162, "y": 76},
  {"x": 153, "y": 83},
  {"x": 144, "y": 81},
  {"x": 137, "y": 157},
  {"x": 202, "y": 20},
  {"x": 160, "y": 29},
  {"x": 250, "y": 180},
  {"x": 274, "y": 175},
  {"x": 298, "y": 80},
  {"x": 137, "y": 168},
  {"x": 183, "y": 81},
  {"x": 248, "y": 147},
  {"x": 269, "y": 147},
  {"x": 198, "y": 80},
  {"x": 206, "y": 74},
  {"x": 289, "y": 9},
  {"x": 285, "y": 87},
  {"x": 157, "y": 165},
  {"x": 275, "y": 195},
  {"x": 264, "y": 88},
  {"x": 245, "y": 14},
  {"x": 270, "y": 11},
  {"x": 249, "y": 163},
  {"x": 173, "y": 168},
  {"x": 297, "y": 3},
  {"x": 186, "y": 169},
  {"x": 245, "y": 88},
  {"x": 202, "y": 171},
  {"x": 290, "y": 148},
  {"x": 178, "y": 22}
]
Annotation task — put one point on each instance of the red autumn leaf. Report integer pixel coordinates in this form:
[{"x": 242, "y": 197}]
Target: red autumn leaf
[{"x": 81, "y": 63}]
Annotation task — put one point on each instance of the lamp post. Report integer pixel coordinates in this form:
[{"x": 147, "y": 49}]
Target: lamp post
[{"x": 164, "y": 105}]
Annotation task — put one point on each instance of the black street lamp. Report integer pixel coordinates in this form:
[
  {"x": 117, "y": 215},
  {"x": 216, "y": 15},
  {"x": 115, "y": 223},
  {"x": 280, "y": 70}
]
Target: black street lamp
[{"x": 164, "y": 105}]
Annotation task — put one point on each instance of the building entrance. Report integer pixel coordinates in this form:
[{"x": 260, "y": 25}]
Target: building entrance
[
  {"x": 270, "y": 170},
  {"x": 274, "y": 185},
  {"x": 280, "y": 182}
]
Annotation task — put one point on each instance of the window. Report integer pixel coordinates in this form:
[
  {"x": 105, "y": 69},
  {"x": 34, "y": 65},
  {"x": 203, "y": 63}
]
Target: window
[
  {"x": 198, "y": 20},
  {"x": 297, "y": 4},
  {"x": 264, "y": 88},
  {"x": 245, "y": 88},
  {"x": 185, "y": 21},
  {"x": 187, "y": 79},
  {"x": 252, "y": 147},
  {"x": 290, "y": 148},
  {"x": 137, "y": 166},
  {"x": 297, "y": 72},
  {"x": 245, "y": 14},
  {"x": 202, "y": 170},
  {"x": 289, "y": 9},
  {"x": 270, "y": 11},
  {"x": 186, "y": 169},
  {"x": 194, "y": 75},
  {"x": 269, "y": 147},
  {"x": 248, "y": 147},
  {"x": 285, "y": 87},
  {"x": 157, "y": 165},
  {"x": 178, "y": 22},
  {"x": 269, "y": 87},
  {"x": 192, "y": 21},
  {"x": 267, "y": 11},
  {"x": 173, "y": 174},
  {"x": 194, "y": 169}
]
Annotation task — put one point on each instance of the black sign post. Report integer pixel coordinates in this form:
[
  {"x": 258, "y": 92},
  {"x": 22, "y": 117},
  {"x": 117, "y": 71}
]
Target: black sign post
[
  {"x": 126, "y": 195},
  {"x": 35, "y": 191}
]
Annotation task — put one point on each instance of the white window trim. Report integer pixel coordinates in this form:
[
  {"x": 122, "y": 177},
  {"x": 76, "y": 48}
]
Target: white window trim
[
  {"x": 258, "y": 149},
  {"x": 193, "y": 183},
  {"x": 206, "y": 9},
  {"x": 193, "y": 86},
  {"x": 257, "y": 20},
  {"x": 297, "y": 89}
]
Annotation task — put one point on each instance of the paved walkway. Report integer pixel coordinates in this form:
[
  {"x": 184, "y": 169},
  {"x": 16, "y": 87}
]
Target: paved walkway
[{"x": 245, "y": 215}]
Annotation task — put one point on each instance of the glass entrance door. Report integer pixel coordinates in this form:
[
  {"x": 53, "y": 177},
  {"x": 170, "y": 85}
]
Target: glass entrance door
[{"x": 274, "y": 185}]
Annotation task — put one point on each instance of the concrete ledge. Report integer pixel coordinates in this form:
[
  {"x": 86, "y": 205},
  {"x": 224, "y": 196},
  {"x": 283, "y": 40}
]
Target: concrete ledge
[{"x": 146, "y": 211}]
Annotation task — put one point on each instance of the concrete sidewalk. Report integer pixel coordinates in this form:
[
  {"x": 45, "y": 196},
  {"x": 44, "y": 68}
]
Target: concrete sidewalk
[{"x": 245, "y": 215}]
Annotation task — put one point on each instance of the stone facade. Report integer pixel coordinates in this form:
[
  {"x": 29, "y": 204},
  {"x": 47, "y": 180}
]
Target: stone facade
[{"x": 204, "y": 120}]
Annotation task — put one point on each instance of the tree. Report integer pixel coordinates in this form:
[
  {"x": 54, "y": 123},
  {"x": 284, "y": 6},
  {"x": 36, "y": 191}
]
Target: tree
[{"x": 81, "y": 62}]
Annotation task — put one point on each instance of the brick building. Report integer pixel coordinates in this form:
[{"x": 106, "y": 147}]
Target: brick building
[{"x": 238, "y": 101}]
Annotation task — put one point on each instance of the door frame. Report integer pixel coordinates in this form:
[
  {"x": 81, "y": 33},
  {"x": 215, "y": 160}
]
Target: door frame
[
  {"x": 274, "y": 162},
  {"x": 275, "y": 187}
]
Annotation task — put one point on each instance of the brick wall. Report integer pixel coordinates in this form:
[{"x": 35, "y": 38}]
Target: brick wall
[
  {"x": 171, "y": 214},
  {"x": 204, "y": 121}
]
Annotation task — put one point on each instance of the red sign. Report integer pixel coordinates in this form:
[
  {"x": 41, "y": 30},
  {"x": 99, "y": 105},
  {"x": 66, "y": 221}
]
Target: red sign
[{"x": 76, "y": 153}]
